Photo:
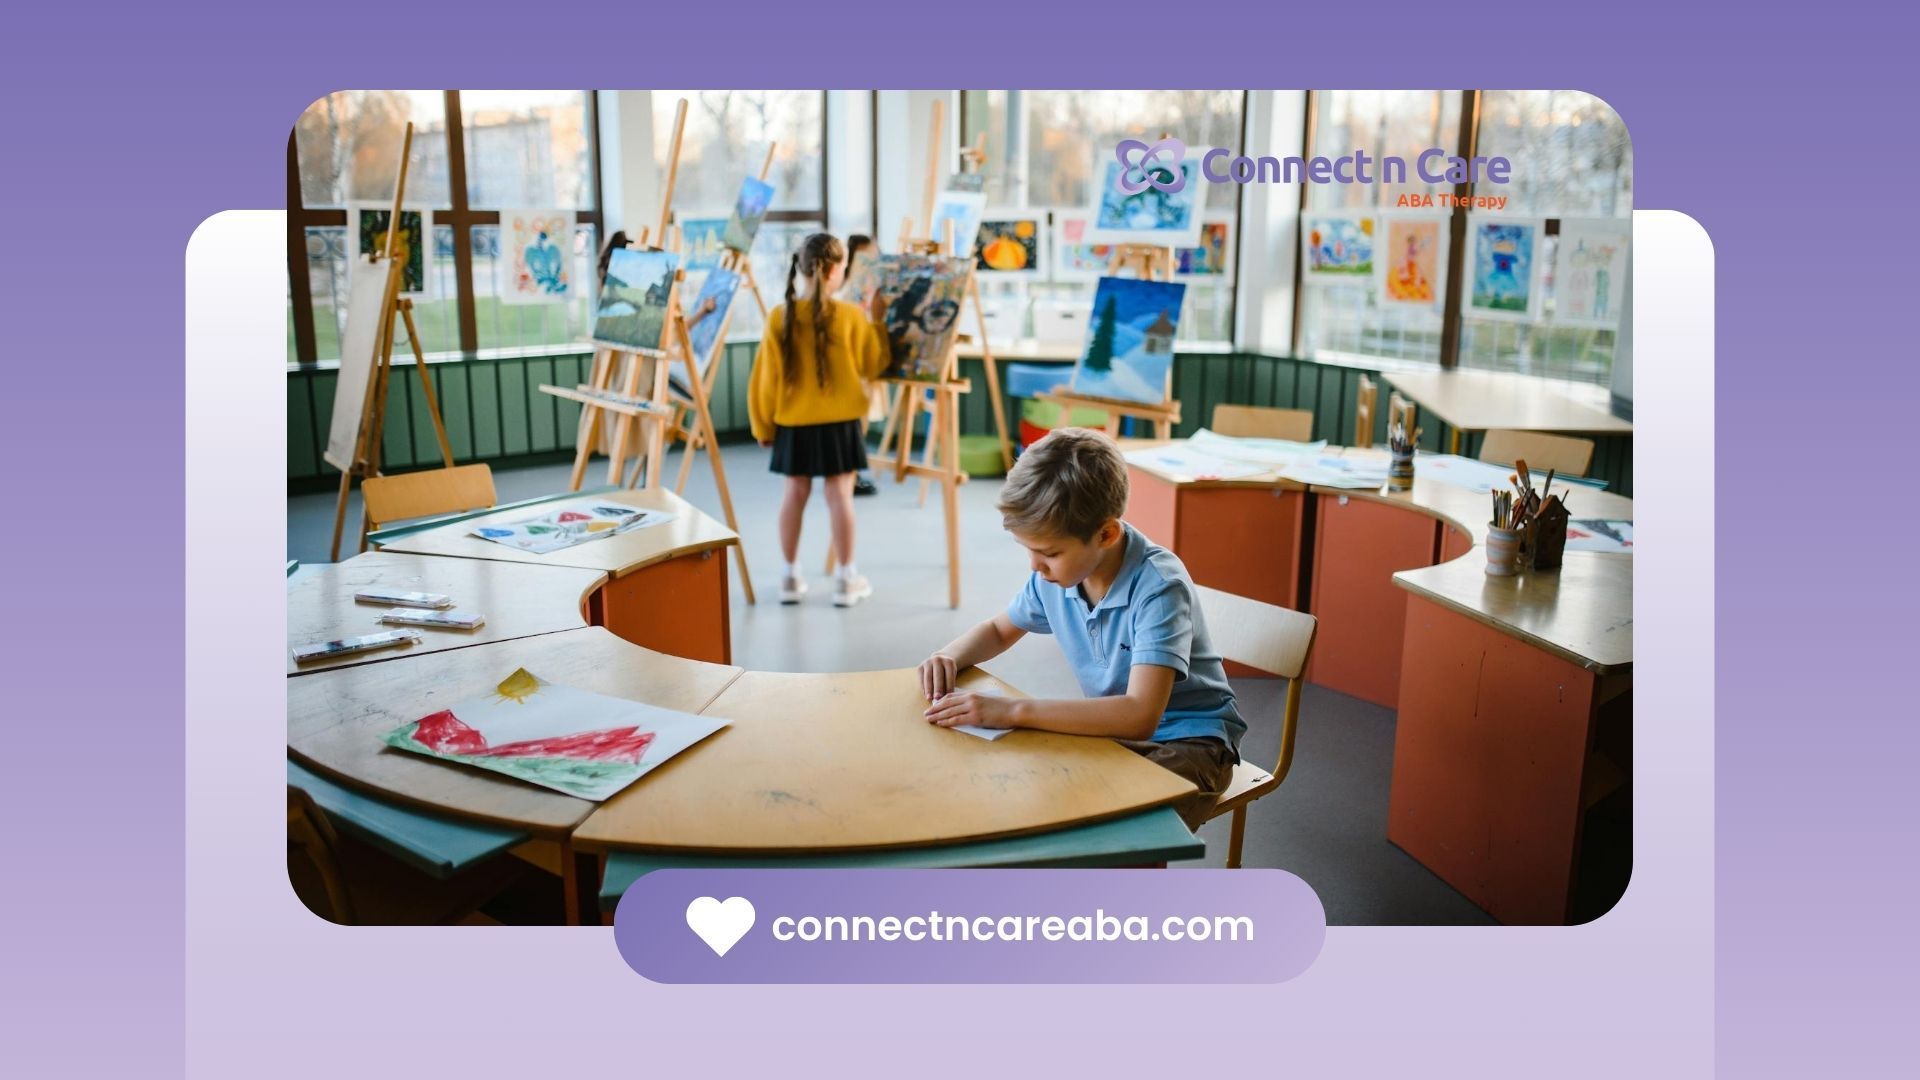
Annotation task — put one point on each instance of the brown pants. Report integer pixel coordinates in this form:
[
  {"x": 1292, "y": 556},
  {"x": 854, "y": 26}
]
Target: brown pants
[{"x": 1206, "y": 762}]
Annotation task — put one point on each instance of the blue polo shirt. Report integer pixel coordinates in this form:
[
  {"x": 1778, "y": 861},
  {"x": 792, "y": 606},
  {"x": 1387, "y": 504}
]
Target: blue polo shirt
[{"x": 1149, "y": 616}]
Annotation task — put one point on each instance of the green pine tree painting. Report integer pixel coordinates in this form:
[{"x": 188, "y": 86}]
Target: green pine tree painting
[{"x": 1100, "y": 352}]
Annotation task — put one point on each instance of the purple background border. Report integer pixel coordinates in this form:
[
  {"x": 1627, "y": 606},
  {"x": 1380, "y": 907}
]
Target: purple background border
[{"x": 127, "y": 129}]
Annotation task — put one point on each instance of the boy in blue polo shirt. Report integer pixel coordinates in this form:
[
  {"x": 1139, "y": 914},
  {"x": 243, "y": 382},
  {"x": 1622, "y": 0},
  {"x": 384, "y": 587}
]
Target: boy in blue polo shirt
[{"x": 1124, "y": 612}]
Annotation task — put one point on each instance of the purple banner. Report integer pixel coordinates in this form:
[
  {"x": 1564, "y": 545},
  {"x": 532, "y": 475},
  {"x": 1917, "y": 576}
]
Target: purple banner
[{"x": 969, "y": 926}]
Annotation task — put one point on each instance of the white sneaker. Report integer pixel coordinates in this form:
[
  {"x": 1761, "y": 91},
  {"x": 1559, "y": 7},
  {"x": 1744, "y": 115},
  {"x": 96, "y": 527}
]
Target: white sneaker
[
  {"x": 850, "y": 591},
  {"x": 792, "y": 588}
]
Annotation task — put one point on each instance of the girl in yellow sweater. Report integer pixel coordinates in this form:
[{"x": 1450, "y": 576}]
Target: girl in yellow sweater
[{"x": 806, "y": 398}]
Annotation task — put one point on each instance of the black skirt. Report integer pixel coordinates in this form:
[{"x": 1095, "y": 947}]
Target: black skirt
[{"x": 819, "y": 449}]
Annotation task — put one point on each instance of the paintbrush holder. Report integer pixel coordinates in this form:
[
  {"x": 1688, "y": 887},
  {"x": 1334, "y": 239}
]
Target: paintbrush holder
[
  {"x": 1547, "y": 536},
  {"x": 1503, "y": 551},
  {"x": 1400, "y": 471}
]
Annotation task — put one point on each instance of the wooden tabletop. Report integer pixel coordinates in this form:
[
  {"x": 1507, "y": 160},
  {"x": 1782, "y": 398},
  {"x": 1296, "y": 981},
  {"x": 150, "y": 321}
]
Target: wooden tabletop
[
  {"x": 517, "y": 601},
  {"x": 335, "y": 719},
  {"x": 1471, "y": 511},
  {"x": 1483, "y": 400},
  {"x": 836, "y": 762},
  {"x": 688, "y": 533},
  {"x": 1583, "y": 612}
]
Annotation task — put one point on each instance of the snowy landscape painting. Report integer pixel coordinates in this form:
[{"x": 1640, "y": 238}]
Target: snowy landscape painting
[{"x": 1129, "y": 350}]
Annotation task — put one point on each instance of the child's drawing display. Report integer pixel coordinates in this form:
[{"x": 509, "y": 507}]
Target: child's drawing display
[{"x": 572, "y": 741}]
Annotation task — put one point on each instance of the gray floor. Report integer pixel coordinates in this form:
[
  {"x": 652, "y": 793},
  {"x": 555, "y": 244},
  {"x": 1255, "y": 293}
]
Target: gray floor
[{"x": 1327, "y": 823}]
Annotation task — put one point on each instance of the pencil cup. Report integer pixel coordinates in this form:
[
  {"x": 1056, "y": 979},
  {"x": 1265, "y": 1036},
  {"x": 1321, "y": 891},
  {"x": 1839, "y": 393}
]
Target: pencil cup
[
  {"x": 1503, "y": 551},
  {"x": 1400, "y": 472}
]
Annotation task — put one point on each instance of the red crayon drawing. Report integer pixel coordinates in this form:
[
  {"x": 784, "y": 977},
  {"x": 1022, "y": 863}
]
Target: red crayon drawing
[{"x": 446, "y": 733}]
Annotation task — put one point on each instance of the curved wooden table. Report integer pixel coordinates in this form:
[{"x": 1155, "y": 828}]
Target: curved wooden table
[
  {"x": 809, "y": 764},
  {"x": 517, "y": 601},
  {"x": 839, "y": 762},
  {"x": 665, "y": 587}
]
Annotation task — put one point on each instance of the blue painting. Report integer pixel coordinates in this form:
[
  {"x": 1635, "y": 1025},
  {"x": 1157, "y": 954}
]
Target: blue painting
[
  {"x": 964, "y": 209},
  {"x": 1339, "y": 247},
  {"x": 1502, "y": 268},
  {"x": 702, "y": 242},
  {"x": 632, "y": 313},
  {"x": 709, "y": 313},
  {"x": 1129, "y": 349},
  {"x": 749, "y": 210},
  {"x": 1151, "y": 215}
]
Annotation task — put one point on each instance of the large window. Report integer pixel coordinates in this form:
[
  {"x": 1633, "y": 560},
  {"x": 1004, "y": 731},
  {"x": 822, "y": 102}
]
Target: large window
[
  {"x": 475, "y": 153},
  {"x": 1042, "y": 149},
  {"x": 727, "y": 136},
  {"x": 1570, "y": 159}
]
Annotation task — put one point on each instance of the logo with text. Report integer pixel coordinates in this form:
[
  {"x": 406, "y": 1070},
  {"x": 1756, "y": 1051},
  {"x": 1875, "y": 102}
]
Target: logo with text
[
  {"x": 1156, "y": 166},
  {"x": 1160, "y": 166}
]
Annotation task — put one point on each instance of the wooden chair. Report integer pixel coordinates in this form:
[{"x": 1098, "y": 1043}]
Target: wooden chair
[
  {"x": 1254, "y": 422},
  {"x": 347, "y": 881},
  {"x": 1271, "y": 639},
  {"x": 1364, "y": 401},
  {"x": 1564, "y": 455},
  {"x": 427, "y": 493},
  {"x": 1406, "y": 413}
]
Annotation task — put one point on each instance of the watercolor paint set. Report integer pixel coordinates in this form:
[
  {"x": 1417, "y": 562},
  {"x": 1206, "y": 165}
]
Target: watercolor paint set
[{"x": 326, "y": 650}]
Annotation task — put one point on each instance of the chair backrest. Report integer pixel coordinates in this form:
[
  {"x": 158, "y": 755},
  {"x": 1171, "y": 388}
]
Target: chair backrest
[
  {"x": 427, "y": 493},
  {"x": 1256, "y": 422},
  {"x": 1268, "y": 638},
  {"x": 1364, "y": 401},
  {"x": 1404, "y": 412},
  {"x": 1564, "y": 455},
  {"x": 318, "y": 881}
]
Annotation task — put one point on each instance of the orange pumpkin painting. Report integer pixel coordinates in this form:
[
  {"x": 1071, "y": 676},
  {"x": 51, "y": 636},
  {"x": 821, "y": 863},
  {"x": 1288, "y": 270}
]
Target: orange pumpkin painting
[{"x": 1008, "y": 246}]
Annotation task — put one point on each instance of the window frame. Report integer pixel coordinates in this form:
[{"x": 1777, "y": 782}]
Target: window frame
[
  {"x": 1452, "y": 317},
  {"x": 461, "y": 217}
]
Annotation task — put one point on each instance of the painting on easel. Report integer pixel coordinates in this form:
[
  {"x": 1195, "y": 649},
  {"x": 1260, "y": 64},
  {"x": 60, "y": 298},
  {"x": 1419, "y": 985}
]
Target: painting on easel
[
  {"x": 964, "y": 209},
  {"x": 370, "y": 225},
  {"x": 1129, "y": 348},
  {"x": 923, "y": 296},
  {"x": 366, "y": 309},
  {"x": 708, "y": 313},
  {"x": 703, "y": 241},
  {"x": 633, "y": 300},
  {"x": 749, "y": 210}
]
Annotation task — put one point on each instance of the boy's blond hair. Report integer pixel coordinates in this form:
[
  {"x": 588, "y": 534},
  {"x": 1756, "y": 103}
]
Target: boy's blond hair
[{"x": 1068, "y": 484}]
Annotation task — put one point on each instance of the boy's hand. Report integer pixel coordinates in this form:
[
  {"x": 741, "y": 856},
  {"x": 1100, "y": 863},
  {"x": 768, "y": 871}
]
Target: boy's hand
[
  {"x": 967, "y": 707},
  {"x": 937, "y": 675}
]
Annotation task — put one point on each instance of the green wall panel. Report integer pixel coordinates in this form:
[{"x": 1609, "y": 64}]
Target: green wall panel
[{"x": 495, "y": 413}]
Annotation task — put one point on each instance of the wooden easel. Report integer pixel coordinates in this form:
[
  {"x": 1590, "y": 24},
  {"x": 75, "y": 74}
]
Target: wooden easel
[
  {"x": 943, "y": 433},
  {"x": 697, "y": 437},
  {"x": 1149, "y": 262},
  {"x": 365, "y": 460},
  {"x": 655, "y": 408}
]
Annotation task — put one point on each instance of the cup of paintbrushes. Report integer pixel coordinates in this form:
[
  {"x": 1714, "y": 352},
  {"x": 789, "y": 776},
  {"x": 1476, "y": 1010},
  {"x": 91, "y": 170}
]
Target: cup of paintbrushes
[{"x": 1503, "y": 551}]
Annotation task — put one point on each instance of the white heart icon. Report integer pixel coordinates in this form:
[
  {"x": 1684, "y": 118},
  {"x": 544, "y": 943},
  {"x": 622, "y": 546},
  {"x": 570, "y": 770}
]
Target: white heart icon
[{"x": 720, "y": 924}]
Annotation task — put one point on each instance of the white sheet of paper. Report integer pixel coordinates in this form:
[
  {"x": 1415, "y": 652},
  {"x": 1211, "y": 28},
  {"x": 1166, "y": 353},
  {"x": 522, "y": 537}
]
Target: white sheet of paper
[
  {"x": 527, "y": 708},
  {"x": 1193, "y": 464},
  {"x": 989, "y": 734},
  {"x": 1268, "y": 452},
  {"x": 1592, "y": 534}
]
